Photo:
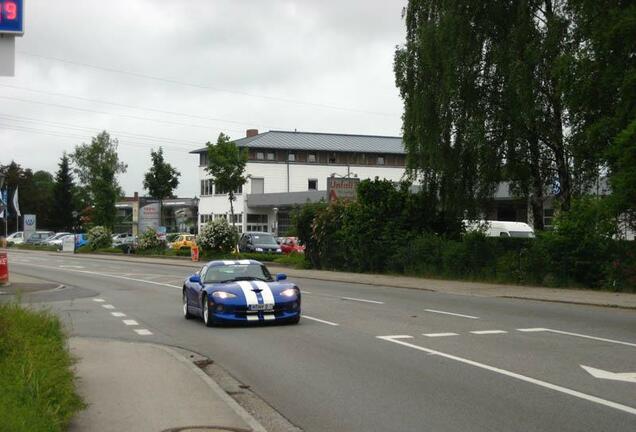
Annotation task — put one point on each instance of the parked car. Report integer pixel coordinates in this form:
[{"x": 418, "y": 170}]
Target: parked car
[
  {"x": 291, "y": 245},
  {"x": 39, "y": 237},
  {"x": 16, "y": 238},
  {"x": 56, "y": 239},
  {"x": 493, "y": 228},
  {"x": 59, "y": 242},
  {"x": 258, "y": 242},
  {"x": 183, "y": 241},
  {"x": 122, "y": 238}
]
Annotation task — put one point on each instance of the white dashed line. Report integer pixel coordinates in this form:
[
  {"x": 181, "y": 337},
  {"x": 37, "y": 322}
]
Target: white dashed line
[
  {"x": 533, "y": 330},
  {"x": 143, "y": 332},
  {"x": 515, "y": 375},
  {"x": 130, "y": 322},
  {"x": 488, "y": 332},
  {"x": 118, "y": 314},
  {"x": 451, "y": 313},
  {"x": 320, "y": 321},
  {"x": 71, "y": 266},
  {"x": 361, "y": 300},
  {"x": 439, "y": 334},
  {"x": 98, "y": 300},
  {"x": 108, "y": 306}
]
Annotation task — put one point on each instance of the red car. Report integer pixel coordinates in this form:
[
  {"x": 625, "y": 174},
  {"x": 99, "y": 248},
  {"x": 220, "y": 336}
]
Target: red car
[{"x": 290, "y": 244}]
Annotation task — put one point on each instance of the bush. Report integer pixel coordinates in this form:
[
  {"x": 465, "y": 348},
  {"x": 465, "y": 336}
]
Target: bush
[
  {"x": 99, "y": 237},
  {"x": 37, "y": 382},
  {"x": 218, "y": 236},
  {"x": 294, "y": 259},
  {"x": 149, "y": 241}
]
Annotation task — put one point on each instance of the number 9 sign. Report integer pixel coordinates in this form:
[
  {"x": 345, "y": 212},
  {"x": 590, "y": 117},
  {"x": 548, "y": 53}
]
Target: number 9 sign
[{"x": 12, "y": 17}]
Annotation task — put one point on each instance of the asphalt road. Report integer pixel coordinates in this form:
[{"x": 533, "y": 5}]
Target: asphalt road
[{"x": 368, "y": 358}]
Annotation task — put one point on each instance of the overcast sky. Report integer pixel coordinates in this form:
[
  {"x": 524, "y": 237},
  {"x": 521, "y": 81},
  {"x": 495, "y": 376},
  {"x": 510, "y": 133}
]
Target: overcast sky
[{"x": 177, "y": 73}]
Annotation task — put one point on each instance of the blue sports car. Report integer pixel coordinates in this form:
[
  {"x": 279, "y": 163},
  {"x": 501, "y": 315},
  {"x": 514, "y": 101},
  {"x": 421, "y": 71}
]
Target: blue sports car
[{"x": 241, "y": 291}]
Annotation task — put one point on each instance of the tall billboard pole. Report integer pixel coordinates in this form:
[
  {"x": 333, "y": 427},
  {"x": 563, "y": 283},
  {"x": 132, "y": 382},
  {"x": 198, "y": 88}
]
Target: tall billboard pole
[{"x": 11, "y": 26}]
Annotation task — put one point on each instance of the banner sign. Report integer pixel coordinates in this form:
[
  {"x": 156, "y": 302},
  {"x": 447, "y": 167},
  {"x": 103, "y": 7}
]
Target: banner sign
[
  {"x": 342, "y": 188},
  {"x": 30, "y": 225},
  {"x": 12, "y": 17}
]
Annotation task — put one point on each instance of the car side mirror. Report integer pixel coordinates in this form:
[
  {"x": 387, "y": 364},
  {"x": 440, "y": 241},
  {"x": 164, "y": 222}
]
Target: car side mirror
[
  {"x": 195, "y": 279},
  {"x": 281, "y": 276}
]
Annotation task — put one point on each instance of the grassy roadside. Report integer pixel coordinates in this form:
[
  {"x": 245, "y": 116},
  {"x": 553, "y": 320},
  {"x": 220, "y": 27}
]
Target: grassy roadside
[{"x": 36, "y": 381}]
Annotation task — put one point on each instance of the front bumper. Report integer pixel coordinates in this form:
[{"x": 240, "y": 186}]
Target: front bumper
[{"x": 228, "y": 313}]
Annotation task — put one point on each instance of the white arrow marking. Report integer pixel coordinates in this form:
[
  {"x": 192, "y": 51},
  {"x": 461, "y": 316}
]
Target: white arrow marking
[{"x": 603, "y": 374}]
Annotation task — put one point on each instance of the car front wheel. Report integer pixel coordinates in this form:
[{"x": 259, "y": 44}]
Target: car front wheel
[{"x": 208, "y": 320}]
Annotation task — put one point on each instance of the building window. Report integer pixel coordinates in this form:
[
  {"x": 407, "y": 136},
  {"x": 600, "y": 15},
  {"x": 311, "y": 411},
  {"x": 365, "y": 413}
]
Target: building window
[
  {"x": 312, "y": 184},
  {"x": 257, "y": 222},
  {"x": 271, "y": 156},
  {"x": 311, "y": 158},
  {"x": 205, "y": 218},
  {"x": 548, "y": 216},
  {"x": 238, "y": 218},
  {"x": 258, "y": 185},
  {"x": 220, "y": 191},
  {"x": 260, "y": 156},
  {"x": 220, "y": 216},
  {"x": 380, "y": 160},
  {"x": 207, "y": 187},
  {"x": 291, "y": 157},
  {"x": 203, "y": 159}
]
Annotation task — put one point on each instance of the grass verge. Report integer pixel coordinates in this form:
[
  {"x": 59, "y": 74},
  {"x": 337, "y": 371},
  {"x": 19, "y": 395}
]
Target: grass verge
[{"x": 36, "y": 381}]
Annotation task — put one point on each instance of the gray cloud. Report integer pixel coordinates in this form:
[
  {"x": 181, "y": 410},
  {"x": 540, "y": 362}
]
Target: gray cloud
[{"x": 322, "y": 52}]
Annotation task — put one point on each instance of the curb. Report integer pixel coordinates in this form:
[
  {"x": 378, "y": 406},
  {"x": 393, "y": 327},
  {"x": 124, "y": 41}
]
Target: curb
[{"x": 239, "y": 410}]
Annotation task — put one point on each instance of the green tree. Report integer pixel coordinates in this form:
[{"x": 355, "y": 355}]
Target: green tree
[
  {"x": 97, "y": 165},
  {"x": 64, "y": 197},
  {"x": 226, "y": 163},
  {"x": 36, "y": 193},
  {"x": 162, "y": 178}
]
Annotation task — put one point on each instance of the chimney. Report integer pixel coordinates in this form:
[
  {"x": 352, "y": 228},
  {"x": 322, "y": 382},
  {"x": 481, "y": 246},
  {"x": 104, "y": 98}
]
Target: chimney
[
  {"x": 136, "y": 196},
  {"x": 251, "y": 132}
]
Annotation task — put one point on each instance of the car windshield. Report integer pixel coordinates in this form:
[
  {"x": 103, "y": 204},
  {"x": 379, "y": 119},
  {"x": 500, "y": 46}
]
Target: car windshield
[
  {"x": 264, "y": 239},
  {"x": 237, "y": 272}
]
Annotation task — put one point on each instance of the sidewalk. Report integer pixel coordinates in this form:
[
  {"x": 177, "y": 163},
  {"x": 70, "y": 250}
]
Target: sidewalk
[
  {"x": 20, "y": 284},
  {"x": 144, "y": 387},
  {"x": 560, "y": 295}
]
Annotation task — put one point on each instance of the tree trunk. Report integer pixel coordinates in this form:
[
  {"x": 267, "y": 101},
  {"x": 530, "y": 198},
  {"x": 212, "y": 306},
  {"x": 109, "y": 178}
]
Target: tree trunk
[
  {"x": 537, "y": 196},
  {"x": 231, "y": 197}
]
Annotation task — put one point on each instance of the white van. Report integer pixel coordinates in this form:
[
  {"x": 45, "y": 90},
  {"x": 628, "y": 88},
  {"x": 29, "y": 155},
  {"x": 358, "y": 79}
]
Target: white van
[{"x": 500, "y": 228}]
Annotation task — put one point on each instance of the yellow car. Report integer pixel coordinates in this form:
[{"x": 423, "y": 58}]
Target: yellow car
[{"x": 184, "y": 241}]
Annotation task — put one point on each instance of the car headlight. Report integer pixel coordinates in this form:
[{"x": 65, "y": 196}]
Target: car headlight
[
  {"x": 279, "y": 250},
  {"x": 223, "y": 295},
  {"x": 290, "y": 292},
  {"x": 258, "y": 249}
]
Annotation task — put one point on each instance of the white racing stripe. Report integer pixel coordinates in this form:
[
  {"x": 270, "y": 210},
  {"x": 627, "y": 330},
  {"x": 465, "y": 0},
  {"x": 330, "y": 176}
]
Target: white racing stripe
[
  {"x": 266, "y": 292},
  {"x": 269, "y": 317},
  {"x": 250, "y": 296}
]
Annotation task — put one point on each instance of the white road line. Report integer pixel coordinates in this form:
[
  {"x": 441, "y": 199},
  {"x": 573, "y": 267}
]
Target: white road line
[
  {"x": 577, "y": 394},
  {"x": 118, "y": 314},
  {"x": 319, "y": 320},
  {"x": 439, "y": 334},
  {"x": 71, "y": 266},
  {"x": 488, "y": 332},
  {"x": 130, "y": 322},
  {"x": 143, "y": 332},
  {"x": 451, "y": 313},
  {"x": 361, "y": 300},
  {"x": 533, "y": 330},
  {"x": 108, "y": 306},
  {"x": 305, "y": 292},
  {"x": 99, "y": 300}
]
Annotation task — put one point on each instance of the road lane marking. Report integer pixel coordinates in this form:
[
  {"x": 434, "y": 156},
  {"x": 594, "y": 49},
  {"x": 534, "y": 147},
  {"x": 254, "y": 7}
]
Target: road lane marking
[
  {"x": 305, "y": 292},
  {"x": 361, "y": 300},
  {"x": 71, "y": 266},
  {"x": 99, "y": 300},
  {"x": 118, "y": 314},
  {"x": 534, "y": 330},
  {"x": 320, "y": 321},
  {"x": 544, "y": 384},
  {"x": 108, "y": 306},
  {"x": 143, "y": 332},
  {"x": 130, "y": 322},
  {"x": 439, "y": 334},
  {"x": 451, "y": 313},
  {"x": 488, "y": 332},
  {"x": 603, "y": 374}
]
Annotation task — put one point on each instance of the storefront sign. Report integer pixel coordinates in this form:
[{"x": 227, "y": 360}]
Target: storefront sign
[
  {"x": 342, "y": 188},
  {"x": 30, "y": 225}
]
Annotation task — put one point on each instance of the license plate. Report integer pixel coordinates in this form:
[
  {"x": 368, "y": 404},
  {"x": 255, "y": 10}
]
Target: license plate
[{"x": 262, "y": 307}]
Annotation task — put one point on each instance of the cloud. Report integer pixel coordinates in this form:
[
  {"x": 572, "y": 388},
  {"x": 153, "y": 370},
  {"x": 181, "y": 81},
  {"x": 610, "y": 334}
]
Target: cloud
[{"x": 323, "y": 53}]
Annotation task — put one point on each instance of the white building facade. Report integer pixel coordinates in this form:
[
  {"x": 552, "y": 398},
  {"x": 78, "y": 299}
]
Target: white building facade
[{"x": 286, "y": 169}]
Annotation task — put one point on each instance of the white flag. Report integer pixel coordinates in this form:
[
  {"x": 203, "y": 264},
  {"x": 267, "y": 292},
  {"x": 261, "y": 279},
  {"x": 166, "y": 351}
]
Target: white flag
[{"x": 16, "y": 206}]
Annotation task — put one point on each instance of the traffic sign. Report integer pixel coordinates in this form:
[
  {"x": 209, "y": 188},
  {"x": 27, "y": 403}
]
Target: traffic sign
[{"x": 12, "y": 17}]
